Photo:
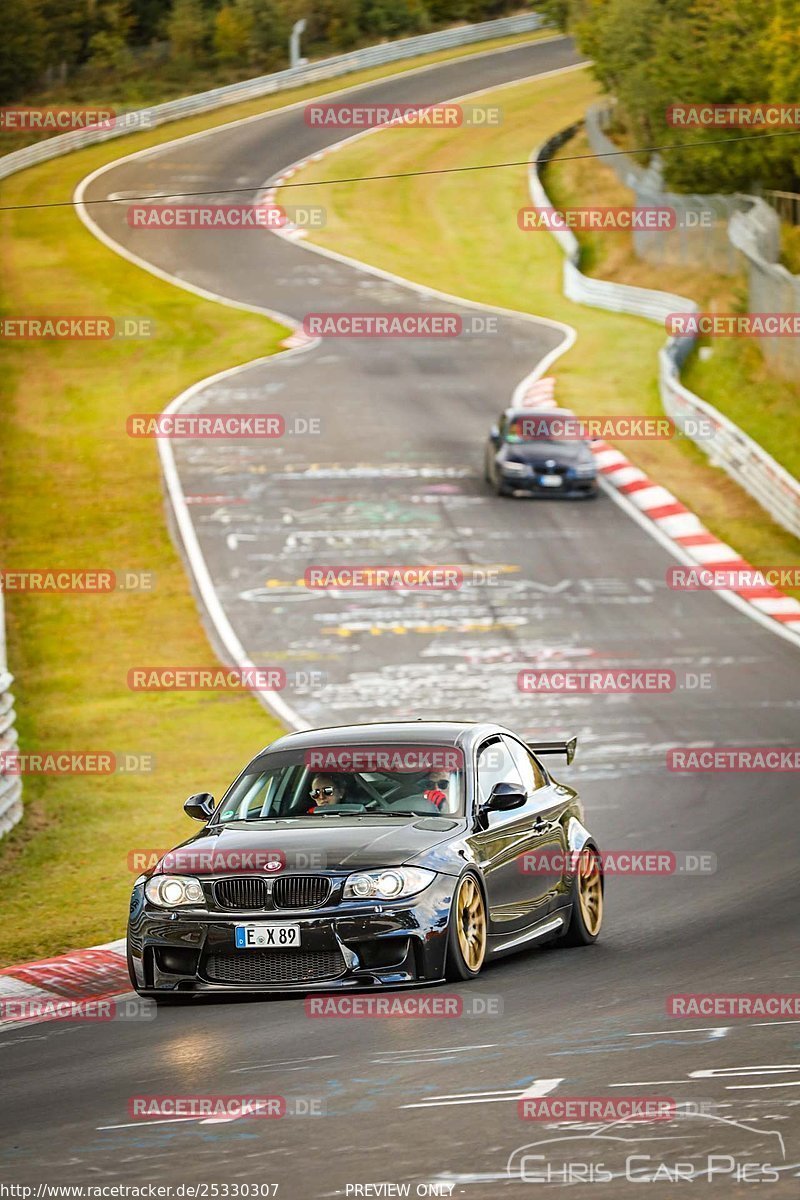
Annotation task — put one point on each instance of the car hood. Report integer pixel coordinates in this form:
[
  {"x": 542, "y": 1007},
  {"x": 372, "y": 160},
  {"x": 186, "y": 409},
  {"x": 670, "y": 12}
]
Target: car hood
[
  {"x": 536, "y": 454},
  {"x": 308, "y": 843}
]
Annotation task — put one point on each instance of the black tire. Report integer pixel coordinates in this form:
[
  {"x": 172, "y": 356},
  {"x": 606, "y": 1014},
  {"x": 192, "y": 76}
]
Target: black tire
[
  {"x": 457, "y": 968},
  {"x": 582, "y": 931}
]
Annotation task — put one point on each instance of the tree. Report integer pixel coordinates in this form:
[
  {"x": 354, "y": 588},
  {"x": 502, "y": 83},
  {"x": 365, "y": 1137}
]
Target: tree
[
  {"x": 188, "y": 28},
  {"x": 653, "y": 54},
  {"x": 393, "y": 18},
  {"x": 21, "y": 49},
  {"x": 270, "y": 24},
  {"x": 108, "y": 47},
  {"x": 233, "y": 32}
]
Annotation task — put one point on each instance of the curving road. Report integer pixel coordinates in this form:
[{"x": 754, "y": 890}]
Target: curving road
[{"x": 395, "y": 476}]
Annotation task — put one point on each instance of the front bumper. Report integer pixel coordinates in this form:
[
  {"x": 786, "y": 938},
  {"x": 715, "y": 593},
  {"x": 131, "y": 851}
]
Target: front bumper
[
  {"x": 343, "y": 947},
  {"x": 530, "y": 484}
]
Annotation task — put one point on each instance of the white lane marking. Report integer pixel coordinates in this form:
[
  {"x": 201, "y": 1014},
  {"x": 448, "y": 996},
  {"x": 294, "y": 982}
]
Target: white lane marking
[
  {"x": 653, "y": 1083},
  {"x": 141, "y": 1124},
  {"x": 233, "y": 539},
  {"x": 287, "y": 1063},
  {"x": 479, "y": 1045},
  {"x": 182, "y": 1120},
  {"x": 754, "y": 1087},
  {"x": 399, "y": 1058},
  {"x": 722, "y": 1072},
  {"x": 719, "y": 1031},
  {"x": 539, "y": 1088},
  {"x": 717, "y": 1073}
]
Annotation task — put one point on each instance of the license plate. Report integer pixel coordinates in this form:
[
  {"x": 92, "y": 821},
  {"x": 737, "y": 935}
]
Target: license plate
[
  {"x": 280, "y": 935},
  {"x": 550, "y": 480}
]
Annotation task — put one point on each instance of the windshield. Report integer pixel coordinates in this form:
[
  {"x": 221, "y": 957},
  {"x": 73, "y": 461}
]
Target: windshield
[{"x": 294, "y": 784}]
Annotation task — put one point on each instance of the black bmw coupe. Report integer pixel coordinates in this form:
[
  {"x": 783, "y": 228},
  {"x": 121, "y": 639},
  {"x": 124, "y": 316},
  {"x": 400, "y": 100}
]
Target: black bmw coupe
[
  {"x": 537, "y": 453},
  {"x": 383, "y": 855}
]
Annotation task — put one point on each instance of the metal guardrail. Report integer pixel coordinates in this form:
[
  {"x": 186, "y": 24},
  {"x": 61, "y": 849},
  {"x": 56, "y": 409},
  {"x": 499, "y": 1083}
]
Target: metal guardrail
[
  {"x": 729, "y": 447},
  {"x": 265, "y": 85},
  {"x": 770, "y": 484},
  {"x": 10, "y": 785}
]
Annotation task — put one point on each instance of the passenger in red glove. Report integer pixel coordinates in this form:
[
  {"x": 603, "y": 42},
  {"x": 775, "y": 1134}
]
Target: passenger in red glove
[{"x": 436, "y": 786}]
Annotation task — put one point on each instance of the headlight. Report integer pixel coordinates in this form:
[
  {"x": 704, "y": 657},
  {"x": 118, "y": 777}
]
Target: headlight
[
  {"x": 173, "y": 891},
  {"x": 514, "y": 468},
  {"x": 586, "y": 470},
  {"x": 393, "y": 884}
]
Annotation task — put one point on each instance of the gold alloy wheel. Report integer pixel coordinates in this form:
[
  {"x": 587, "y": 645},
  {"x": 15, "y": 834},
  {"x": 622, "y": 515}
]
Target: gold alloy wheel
[
  {"x": 590, "y": 891},
  {"x": 471, "y": 923}
]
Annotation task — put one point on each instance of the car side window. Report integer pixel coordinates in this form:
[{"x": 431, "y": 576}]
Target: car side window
[
  {"x": 532, "y": 775},
  {"x": 502, "y": 425},
  {"x": 495, "y": 765}
]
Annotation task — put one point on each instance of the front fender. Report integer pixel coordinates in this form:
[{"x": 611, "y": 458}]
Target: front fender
[{"x": 577, "y": 837}]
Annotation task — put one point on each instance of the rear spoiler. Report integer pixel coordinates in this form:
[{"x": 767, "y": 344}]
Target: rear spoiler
[{"x": 567, "y": 748}]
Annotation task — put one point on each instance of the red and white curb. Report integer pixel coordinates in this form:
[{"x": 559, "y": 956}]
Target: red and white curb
[
  {"x": 59, "y": 988},
  {"x": 673, "y": 519}
]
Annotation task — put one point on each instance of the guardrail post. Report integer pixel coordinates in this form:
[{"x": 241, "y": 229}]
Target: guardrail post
[{"x": 294, "y": 45}]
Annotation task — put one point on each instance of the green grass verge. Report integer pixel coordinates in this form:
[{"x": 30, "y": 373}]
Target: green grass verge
[{"x": 459, "y": 233}]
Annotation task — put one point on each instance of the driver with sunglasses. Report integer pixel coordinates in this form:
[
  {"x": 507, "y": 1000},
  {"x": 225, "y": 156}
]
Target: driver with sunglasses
[{"x": 325, "y": 790}]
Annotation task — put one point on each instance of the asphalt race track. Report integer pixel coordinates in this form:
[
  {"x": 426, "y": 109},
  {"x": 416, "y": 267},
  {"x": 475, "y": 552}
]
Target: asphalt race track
[{"x": 397, "y": 471}]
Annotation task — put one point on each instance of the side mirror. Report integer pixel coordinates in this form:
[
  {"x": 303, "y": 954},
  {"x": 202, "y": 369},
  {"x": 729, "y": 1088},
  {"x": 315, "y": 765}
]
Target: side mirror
[
  {"x": 505, "y": 796},
  {"x": 494, "y": 435},
  {"x": 200, "y": 806}
]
